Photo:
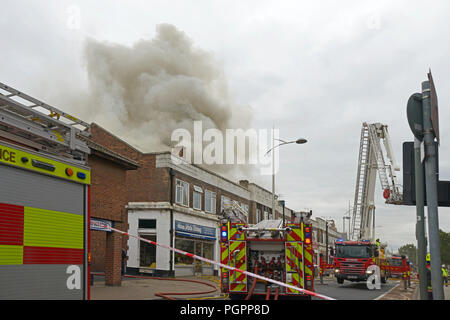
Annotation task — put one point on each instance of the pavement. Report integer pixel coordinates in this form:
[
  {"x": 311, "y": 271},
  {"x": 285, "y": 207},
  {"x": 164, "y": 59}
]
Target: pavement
[
  {"x": 147, "y": 288},
  {"x": 202, "y": 288},
  {"x": 412, "y": 293}
]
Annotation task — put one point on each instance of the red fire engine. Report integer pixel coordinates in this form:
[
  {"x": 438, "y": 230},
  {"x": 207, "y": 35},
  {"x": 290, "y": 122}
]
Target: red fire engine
[
  {"x": 353, "y": 259},
  {"x": 396, "y": 265}
]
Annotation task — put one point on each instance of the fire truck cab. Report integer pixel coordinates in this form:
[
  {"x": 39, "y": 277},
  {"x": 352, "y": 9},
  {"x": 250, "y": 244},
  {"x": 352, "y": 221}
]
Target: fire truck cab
[
  {"x": 270, "y": 250},
  {"x": 353, "y": 259}
]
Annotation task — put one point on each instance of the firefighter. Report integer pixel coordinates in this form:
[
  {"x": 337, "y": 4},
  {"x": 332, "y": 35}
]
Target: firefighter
[
  {"x": 428, "y": 258},
  {"x": 445, "y": 275},
  {"x": 377, "y": 242},
  {"x": 429, "y": 285}
]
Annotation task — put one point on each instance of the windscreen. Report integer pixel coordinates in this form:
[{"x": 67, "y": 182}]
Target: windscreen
[
  {"x": 396, "y": 262},
  {"x": 353, "y": 251}
]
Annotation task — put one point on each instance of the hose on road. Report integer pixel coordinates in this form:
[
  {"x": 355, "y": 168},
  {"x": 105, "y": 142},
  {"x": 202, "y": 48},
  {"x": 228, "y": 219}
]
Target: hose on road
[{"x": 166, "y": 295}]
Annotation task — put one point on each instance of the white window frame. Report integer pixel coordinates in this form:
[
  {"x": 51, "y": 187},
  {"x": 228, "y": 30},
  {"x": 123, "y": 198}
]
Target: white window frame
[
  {"x": 197, "y": 192},
  {"x": 184, "y": 192},
  {"x": 222, "y": 200},
  {"x": 212, "y": 199}
]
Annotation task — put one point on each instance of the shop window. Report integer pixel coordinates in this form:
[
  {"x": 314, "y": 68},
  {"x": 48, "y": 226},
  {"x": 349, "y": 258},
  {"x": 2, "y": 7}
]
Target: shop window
[
  {"x": 147, "y": 223},
  {"x": 147, "y": 252},
  {"x": 198, "y": 247},
  {"x": 208, "y": 251},
  {"x": 210, "y": 201},
  {"x": 182, "y": 193},
  {"x": 185, "y": 245},
  {"x": 197, "y": 198}
]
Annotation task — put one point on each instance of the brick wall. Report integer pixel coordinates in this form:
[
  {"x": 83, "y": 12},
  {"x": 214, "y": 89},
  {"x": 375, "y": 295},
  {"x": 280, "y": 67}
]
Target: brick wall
[
  {"x": 112, "y": 142},
  {"x": 108, "y": 201},
  {"x": 148, "y": 183}
]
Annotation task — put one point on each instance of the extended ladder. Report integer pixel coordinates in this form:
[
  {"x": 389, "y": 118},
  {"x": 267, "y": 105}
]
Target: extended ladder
[
  {"x": 371, "y": 160},
  {"x": 233, "y": 211},
  {"x": 41, "y": 126}
]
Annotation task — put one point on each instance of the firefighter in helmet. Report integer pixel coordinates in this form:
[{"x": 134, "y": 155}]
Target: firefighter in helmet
[
  {"x": 445, "y": 275},
  {"x": 377, "y": 242}
]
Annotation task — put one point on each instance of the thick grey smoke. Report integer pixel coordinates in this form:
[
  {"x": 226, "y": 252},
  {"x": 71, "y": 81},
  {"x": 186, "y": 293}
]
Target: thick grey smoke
[{"x": 144, "y": 92}]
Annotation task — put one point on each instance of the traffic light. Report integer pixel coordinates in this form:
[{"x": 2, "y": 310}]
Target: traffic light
[{"x": 224, "y": 233}]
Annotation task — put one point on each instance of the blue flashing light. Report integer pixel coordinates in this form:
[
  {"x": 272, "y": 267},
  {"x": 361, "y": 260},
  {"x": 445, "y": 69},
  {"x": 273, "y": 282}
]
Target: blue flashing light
[{"x": 81, "y": 175}]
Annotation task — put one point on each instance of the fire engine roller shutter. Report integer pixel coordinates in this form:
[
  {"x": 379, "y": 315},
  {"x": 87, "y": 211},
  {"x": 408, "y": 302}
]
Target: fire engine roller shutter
[{"x": 42, "y": 238}]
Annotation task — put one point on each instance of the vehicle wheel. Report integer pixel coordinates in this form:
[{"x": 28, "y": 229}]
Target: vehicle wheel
[{"x": 340, "y": 280}]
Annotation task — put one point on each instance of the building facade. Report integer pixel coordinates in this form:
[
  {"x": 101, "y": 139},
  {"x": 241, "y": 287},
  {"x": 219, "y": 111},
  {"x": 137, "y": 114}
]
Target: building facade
[
  {"x": 177, "y": 204},
  {"x": 260, "y": 204},
  {"x": 107, "y": 204}
]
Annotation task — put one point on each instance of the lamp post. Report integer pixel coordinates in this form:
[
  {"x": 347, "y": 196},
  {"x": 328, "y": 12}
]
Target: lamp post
[{"x": 298, "y": 141}]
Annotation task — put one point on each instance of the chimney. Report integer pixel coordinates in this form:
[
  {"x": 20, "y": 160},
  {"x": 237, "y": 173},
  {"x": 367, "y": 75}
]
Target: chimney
[{"x": 244, "y": 183}]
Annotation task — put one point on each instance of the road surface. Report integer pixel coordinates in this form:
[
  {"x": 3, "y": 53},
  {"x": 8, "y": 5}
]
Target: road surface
[{"x": 351, "y": 290}]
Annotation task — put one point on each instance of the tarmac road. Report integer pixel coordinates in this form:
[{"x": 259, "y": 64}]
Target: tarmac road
[{"x": 351, "y": 290}]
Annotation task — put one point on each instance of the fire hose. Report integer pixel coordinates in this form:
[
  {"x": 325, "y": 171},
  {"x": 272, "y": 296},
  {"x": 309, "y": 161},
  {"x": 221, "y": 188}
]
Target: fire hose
[
  {"x": 311, "y": 293},
  {"x": 252, "y": 288},
  {"x": 268, "y": 293},
  {"x": 166, "y": 295},
  {"x": 277, "y": 291}
]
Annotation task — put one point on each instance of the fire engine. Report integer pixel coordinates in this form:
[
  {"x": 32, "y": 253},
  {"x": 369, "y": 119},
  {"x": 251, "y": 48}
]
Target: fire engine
[
  {"x": 44, "y": 200},
  {"x": 353, "y": 259},
  {"x": 282, "y": 252},
  {"x": 396, "y": 264},
  {"x": 399, "y": 267}
]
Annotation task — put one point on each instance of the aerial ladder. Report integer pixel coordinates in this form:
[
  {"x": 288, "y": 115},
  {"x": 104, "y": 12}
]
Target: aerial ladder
[
  {"x": 233, "y": 212},
  {"x": 41, "y": 126},
  {"x": 371, "y": 160}
]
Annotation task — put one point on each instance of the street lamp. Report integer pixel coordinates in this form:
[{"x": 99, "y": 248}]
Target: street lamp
[{"x": 298, "y": 141}]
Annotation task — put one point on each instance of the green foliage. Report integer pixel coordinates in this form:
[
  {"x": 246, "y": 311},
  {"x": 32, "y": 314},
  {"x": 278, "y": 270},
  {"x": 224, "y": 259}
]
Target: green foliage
[
  {"x": 409, "y": 250},
  {"x": 444, "y": 237}
]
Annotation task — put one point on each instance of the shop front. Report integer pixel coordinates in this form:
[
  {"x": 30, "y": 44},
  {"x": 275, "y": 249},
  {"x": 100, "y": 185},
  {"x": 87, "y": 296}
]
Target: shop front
[{"x": 199, "y": 240}]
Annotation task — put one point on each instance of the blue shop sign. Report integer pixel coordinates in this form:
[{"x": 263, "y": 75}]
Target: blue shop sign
[
  {"x": 101, "y": 224},
  {"x": 195, "y": 230}
]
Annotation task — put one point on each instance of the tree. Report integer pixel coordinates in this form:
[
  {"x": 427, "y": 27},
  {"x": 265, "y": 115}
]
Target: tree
[
  {"x": 444, "y": 237},
  {"x": 409, "y": 250}
]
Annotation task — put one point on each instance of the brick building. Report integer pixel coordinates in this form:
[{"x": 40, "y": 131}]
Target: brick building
[
  {"x": 176, "y": 203},
  {"x": 107, "y": 202},
  {"x": 162, "y": 197},
  {"x": 260, "y": 204}
]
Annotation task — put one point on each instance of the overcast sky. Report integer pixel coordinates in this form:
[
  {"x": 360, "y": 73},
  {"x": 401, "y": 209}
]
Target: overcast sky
[{"x": 316, "y": 69}]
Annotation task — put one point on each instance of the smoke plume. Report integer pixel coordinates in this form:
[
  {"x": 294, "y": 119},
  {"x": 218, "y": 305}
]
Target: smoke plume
[{"x": 144, "y": 92}]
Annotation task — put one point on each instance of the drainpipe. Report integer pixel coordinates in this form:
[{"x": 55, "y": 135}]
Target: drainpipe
[{"x": 171, "y": 269}]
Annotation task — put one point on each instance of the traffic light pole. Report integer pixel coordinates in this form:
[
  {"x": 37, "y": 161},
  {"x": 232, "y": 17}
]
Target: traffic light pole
[
  {"x": 420, "y": 223},
  {"x": 431, "y": 192}
]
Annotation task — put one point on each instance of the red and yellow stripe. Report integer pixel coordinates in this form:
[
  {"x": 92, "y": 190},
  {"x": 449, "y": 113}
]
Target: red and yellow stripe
[
  {"x": 294, "y": 265},
  {"x": 37, "y": 236},
  {"x": 238, "y": 280}
]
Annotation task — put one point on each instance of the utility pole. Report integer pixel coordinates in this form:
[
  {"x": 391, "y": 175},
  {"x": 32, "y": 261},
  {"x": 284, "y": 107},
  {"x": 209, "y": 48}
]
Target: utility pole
[
  {"x": 326, "y": 240},
  {"x": 429, "y": 130},
  {"x": 420, "y": 223}
]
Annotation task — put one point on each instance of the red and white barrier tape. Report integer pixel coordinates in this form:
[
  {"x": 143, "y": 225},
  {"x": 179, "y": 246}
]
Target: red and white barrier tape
[{"x": 254, "y": 275}]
